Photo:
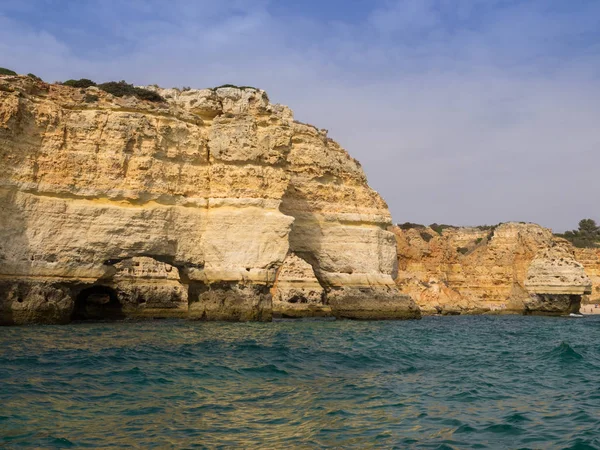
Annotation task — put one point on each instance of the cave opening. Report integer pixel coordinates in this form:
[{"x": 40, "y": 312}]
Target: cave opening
[{"x": 97, "y": 303}]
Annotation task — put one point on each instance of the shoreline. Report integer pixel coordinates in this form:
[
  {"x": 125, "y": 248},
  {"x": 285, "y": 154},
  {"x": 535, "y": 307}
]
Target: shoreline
[{"x": 590, "y": 309}]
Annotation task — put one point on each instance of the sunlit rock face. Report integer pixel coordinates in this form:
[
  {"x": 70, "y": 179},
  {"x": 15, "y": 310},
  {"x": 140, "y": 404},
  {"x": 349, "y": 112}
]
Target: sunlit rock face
[
  {"x": 590, "y": 260},
  {"x": 184, "y": 208},
  {"x": 501, "y": 269}
]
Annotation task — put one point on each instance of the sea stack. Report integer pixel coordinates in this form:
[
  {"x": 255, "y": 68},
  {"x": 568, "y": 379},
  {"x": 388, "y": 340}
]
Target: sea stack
[
  {"x": 556, "y": 282},
  {"x": 188, "y": 207}
]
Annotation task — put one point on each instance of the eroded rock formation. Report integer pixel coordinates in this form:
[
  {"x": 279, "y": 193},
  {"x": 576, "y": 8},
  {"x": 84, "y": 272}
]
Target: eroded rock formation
[
  {"x": 182, "y": 208},
  {"x": 510, "y": 268},
  {"x": 297, "y": 291},
  {"x": 555, "y": 281},
  {"x": 590, "y": 259}
]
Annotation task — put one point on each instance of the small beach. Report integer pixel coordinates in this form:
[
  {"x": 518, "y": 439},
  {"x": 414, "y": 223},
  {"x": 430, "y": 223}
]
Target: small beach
[{"x": 590, "y": 309}]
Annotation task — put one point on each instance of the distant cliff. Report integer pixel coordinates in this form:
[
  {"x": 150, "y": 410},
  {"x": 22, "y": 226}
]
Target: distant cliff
[
  {"x": 204, "y": 205},
  {"x": 509, "y": 268},
  {"x": 590, "y": 259}
]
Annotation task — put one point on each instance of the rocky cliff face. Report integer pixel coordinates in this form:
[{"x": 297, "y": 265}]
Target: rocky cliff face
[
  {"x": 590, "y": 259},
  {"x": 185, "y": 208},
  {"x": 555, "y": 281},
  {"x": 511, "y": 268}
]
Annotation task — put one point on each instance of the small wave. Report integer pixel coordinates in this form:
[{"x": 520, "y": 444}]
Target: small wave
[
  {"x": 504, "y": 428},
  {"x": 340, "y": 412},
  {"x": 133, "y": 371},
  {"x": 395, "y": 405},
  {"x": 564, "y": 353},
  {"x": 470, "y": 395},
  {"x": 406, "y": 370},
  {"x": 60, "y": 443},
  {"x": 267, "y": 369},
  {"x": 162, "y": 380},
  {"x": 465, "y": 429},
  {"x": 516, "y": 418},
  {"x": 213, "y": 407},
  {"x": 445, "y": 447},
  {"x": 143, "y": 411},
  {"x": 581, "y": 444}
]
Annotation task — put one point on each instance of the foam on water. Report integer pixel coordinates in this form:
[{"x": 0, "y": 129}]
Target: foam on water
[{"x": 451, "y": 382}]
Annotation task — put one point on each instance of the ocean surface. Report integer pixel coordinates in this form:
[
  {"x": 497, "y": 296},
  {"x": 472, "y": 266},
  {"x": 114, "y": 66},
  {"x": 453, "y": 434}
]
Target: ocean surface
[{"x": 442, "y": 382}]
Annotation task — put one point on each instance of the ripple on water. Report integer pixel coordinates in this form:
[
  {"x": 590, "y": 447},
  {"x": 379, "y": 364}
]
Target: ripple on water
[
  {"x": 563, "y": 353},
  {"x": 455, "y": 382}
]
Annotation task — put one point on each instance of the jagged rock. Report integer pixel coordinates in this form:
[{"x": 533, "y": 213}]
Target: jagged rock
[
  {"x": 366, "y": 304},
  {"x": 26, "y": 301},
  {"x": 240, "y": 302},
  {"x": 221, "y": 184}
]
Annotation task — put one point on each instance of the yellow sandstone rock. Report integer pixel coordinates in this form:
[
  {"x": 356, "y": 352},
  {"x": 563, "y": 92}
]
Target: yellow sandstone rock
[
  {"x": 101, "y": 196},
  {"x": 510, "y": 268},
  {"x": 590, "y": 259}
]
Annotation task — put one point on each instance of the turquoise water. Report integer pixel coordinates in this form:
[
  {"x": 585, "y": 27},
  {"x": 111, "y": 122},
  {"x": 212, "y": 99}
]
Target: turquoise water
[{"x": 447, "y": 382}]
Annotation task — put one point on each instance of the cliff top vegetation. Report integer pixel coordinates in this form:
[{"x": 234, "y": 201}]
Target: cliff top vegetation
[
  {"x": 4, "y": 71},
  {"x": 117, "y": 88},
  {"x": 586, "y": 236},
  {"x": 439, "y": 228},
  {"x": 243, "y": 88}
]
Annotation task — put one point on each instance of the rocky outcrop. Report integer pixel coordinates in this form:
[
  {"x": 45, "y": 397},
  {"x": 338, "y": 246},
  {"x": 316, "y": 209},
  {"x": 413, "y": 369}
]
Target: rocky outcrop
[
  {"x": 184, "y": 208},
  {"x": 555, "y": 281},
  {"x": 510, "y": 268},
  {"x": 590, "y": 260}
]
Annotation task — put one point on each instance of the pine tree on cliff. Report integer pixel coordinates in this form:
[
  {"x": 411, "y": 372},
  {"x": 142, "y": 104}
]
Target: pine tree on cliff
[{"x": 588, "y": 234}]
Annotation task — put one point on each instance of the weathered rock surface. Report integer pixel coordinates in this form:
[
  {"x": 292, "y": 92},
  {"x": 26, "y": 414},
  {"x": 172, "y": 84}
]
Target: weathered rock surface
[
  {"x": 297, "y": 291},
  {"x": 590, "y": 259},
  {"x": 511, "y": 268},
  {"x": 555, "y": 281},
  {"x": 182, "y": 208}
]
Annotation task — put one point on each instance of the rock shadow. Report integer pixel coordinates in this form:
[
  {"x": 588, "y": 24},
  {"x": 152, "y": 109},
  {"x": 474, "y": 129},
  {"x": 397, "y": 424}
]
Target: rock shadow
[{"x": 97, "y": 303}]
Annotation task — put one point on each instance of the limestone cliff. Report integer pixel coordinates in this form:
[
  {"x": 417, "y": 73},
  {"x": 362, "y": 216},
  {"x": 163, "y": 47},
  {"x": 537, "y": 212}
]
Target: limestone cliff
[
  {"x": 297, "y": 291},
  {"x": 510, "y": 268},
  {"x": 590, "y": 259},
  {"x": 555, "y": 281},
  {"x": 182, "y": 208}
]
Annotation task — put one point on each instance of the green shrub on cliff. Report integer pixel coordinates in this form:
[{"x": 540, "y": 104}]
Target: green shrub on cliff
[
  {"x": 81, "y": 83},
  {"x": 122, "y": 88},
  {"x": 4, "y": 71},
  {"x": 117, "y": 88},
  {"x": 35, "y": 77},
  {"x": 425, "y": 236},
  {"x": 90, "y": 98},
  {"x": 243, "y": 88},
  {"x": 586, "y": 236},
  {"x": 439, "y": 229},
  {"x": 409, "y": 226}
]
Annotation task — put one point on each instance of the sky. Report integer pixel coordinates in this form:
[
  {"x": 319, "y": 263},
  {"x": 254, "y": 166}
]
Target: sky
[{"x": 463, "y": 112}]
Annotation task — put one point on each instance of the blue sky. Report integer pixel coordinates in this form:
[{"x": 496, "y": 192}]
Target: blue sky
[{"x": 461, "y": 111}]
